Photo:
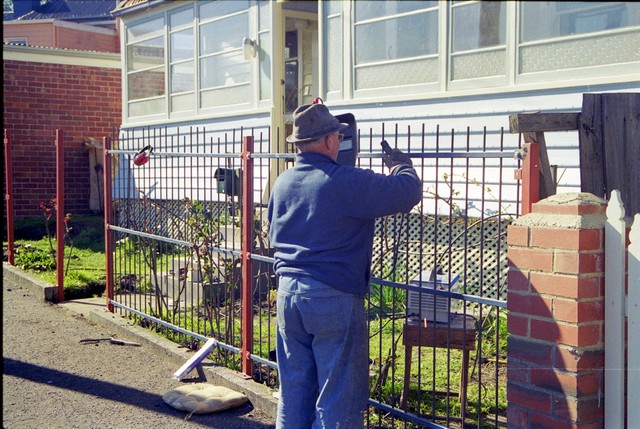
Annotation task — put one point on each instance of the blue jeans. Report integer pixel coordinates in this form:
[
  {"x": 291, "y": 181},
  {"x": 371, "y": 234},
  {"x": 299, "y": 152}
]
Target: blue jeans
[{"x": 323, "y": 359}]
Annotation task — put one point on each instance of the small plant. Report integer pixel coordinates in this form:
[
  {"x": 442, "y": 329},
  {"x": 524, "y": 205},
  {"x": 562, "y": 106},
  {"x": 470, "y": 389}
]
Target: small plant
[
  {"x": 31, "y": 258},
  {"x": 50, "y": 209}
]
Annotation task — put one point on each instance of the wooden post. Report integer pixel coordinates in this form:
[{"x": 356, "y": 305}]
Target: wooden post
[{"x": 533, "y": 126}]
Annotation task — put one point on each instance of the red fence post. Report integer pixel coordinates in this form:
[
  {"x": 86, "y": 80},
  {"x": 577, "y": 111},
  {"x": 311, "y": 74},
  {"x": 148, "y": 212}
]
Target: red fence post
[
  {"x": 108, "y": 235},
  {"x": 247, "y": 247},
  {"x": 60, "y": 215},
  {"x": 530, "y": 176},
  {"x": 8, "y": 168}
]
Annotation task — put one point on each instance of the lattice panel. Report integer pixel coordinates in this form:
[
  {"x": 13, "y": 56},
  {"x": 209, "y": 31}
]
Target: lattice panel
[{"x": 475, "y": 249}]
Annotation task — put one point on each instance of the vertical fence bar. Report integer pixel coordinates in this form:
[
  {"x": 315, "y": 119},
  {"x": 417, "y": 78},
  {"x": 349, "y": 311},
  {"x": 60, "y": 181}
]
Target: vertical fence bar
[
  {"x": 530, "y": 177},
  {"x": 247, "y": 246},
  {"x": 60, "y": 215},
  {"x": 633, "y": 323},
  {"x": 108, "y": 234},
  {"x": 8, "y": 168}
]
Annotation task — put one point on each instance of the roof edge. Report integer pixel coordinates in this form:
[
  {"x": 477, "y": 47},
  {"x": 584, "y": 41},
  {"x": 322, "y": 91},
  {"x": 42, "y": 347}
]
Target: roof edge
[{"x": 141, "y": 5}]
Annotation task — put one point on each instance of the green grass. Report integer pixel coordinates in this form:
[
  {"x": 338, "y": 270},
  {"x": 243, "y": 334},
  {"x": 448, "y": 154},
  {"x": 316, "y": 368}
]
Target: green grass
[{"x": 84, "y": 262}]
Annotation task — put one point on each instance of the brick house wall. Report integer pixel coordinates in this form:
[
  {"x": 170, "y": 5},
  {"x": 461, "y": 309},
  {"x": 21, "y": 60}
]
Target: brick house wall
[
  {"x": 62, "y": 34},
  {"x": 81, "y": 97}
]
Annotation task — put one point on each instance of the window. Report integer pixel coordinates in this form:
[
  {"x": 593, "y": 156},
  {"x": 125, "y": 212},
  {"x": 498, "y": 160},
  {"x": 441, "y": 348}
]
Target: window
[
  {"x": 396, "y": 43},
  {"x": 478, "y": 33},
  {"x": 181, "y": 60},
  {"x": 188, "y": 60},
  {"x": 225, "y": 76},
  {"x": 291, "y": 70},
  {"x": 569, "y": 35},
  {"x": 335, "y": 46},
  {"x": 21, "y": 41},
  {"x": 552, "y": 19},
  {"x": 404, "y": 50},
  {"x": 145, "y": 68}
]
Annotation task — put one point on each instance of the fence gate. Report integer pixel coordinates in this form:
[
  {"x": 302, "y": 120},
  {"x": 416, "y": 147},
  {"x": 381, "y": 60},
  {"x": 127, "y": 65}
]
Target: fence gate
[{"x": 190, "y": 259}]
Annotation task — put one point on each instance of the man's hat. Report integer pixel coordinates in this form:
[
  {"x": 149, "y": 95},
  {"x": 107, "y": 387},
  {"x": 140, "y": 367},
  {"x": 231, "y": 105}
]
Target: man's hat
[{"x": 313, "y": 121}]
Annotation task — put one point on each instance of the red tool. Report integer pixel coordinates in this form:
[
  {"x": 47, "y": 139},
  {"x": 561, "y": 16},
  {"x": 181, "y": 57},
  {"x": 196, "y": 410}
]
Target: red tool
[{"x": 143, "y": 156}]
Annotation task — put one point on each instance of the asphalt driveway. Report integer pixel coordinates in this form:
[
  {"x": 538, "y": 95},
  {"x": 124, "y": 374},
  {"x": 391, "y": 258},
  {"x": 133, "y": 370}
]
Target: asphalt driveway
[{"x": 52, "y": 380}]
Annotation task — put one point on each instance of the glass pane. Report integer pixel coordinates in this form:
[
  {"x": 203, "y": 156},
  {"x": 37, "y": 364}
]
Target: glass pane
[
  {"x": 333, "y": 7},
  {"x": 181, "y": 45},
  {"x": 182, "y": 77},
  {"x": 183, "y": 102},
  {"x": 397, "y": 38},
  {"x": 481, "y": 64},
  {"x": 181, "y": 18},
  {"x": 334, "y": 54},
  {"x": 223, "y": 35},
  {"x": 376, "y": 9},
  {"x": 544, "y": 20},
  {"x": 264, "y": 15},
  {"x": 290, "y": 44},
  {"x": 291, "y": 85},
  {"x": 478, "y": 25},
  {"x": 145, "y": 84},
  {"x": 221, "y": 8},
  {"x": 568, "y": 54},
  {"x": 265, "y": 66},
  {"x": 406, "y": 73},
  {"x": 149, "y": 53},
  {"x": 145, "y": 29},
  {"x": 148, "y": 107},
  {"x": 225, "y": 96},
  {"x": 224, "y": 69}
]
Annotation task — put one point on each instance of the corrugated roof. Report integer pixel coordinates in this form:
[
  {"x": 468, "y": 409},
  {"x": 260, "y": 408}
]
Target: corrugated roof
[
  {"x": 124, "y": 4},
  {"x": 129, "y": 6},
  {"x": 72, "y": 10}
]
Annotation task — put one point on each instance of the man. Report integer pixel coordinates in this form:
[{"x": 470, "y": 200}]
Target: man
[{"x": 322, "y": 218}]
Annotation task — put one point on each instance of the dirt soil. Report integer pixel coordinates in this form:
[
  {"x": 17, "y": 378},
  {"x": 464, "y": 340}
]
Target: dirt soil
[{"x": 52, "y": 380}]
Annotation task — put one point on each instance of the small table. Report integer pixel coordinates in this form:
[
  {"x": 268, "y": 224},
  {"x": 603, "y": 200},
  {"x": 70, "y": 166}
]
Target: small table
[{"x": 459, "y": 333}]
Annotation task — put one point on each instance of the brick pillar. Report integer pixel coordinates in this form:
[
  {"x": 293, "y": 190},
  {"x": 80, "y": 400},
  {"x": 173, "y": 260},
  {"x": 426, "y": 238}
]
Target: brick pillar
[{"x": 556, "y": 314}]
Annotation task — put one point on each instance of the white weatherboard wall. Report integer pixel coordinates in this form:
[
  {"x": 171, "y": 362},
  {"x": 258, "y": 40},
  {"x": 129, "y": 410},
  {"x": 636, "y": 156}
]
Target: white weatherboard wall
[{"x": 437, "y": 115}]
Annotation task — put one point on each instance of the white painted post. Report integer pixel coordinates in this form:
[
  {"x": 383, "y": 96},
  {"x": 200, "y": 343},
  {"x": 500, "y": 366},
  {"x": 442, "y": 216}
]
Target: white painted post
[
  {"x": 633, "y": 314},
  {"x": 614, "y": 296}
]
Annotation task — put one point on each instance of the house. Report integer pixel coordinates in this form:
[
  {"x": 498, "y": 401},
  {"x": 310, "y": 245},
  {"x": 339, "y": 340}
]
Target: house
[
  {"x": 69, "y": 24},
  {"x": 61, "y": 71},
  {"x": 227, "y": 65}
]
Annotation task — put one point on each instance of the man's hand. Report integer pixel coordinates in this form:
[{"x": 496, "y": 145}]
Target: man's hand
[{"x": 396, "y": 157}]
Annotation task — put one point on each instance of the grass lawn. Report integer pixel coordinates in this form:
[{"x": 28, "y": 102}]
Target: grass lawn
[{"x": 84, "y": 262}]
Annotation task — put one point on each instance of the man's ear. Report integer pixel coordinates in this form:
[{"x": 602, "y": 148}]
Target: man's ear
[{"x": 326, "y": 142}]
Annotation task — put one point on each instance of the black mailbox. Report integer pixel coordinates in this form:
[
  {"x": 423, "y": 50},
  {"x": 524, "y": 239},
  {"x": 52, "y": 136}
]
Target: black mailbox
[
  {"x": 349, "y": 146},
  {"x": 229, "y": 181}
]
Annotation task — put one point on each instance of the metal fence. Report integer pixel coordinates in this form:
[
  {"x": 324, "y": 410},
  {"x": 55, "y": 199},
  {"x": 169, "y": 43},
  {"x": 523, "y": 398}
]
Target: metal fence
[{"x": 188, "y": 256}]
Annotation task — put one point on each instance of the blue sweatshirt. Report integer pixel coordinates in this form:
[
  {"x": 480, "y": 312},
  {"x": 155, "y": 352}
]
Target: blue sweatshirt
[{"x": 322, "y": 218}]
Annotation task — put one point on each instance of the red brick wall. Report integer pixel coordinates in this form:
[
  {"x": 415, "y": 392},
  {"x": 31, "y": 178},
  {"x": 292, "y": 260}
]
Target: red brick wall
[
  {"x": 556, "y": 315},
  {"x": 39, "y": 98}
]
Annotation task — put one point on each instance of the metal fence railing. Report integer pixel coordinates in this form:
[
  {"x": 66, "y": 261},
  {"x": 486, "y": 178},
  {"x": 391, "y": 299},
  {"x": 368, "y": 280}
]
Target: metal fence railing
[{"x": 189, "y": 257}]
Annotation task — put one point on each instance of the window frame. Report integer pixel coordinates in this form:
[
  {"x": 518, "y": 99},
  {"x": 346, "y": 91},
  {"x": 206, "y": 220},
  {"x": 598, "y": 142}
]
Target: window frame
[
  {"x": 512, "y": 81},
  {"x": 197, "y": 112}
]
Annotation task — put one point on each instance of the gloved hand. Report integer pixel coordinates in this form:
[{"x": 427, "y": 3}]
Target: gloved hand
[{"x": 396, "y": 157}]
